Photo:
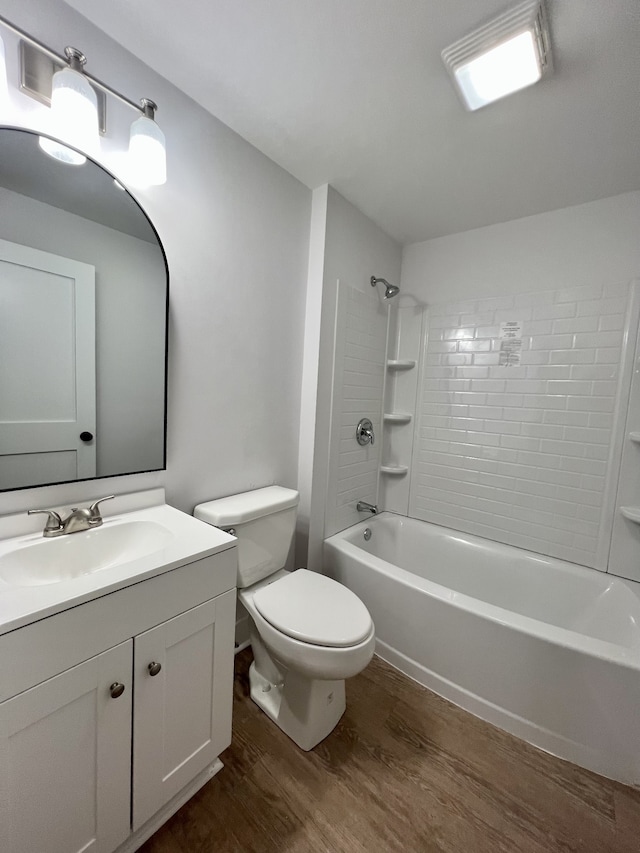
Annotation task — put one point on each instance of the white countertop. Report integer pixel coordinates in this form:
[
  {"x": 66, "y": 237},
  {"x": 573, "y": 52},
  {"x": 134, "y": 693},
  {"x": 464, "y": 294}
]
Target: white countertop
[{"x": 191, "y": 540}]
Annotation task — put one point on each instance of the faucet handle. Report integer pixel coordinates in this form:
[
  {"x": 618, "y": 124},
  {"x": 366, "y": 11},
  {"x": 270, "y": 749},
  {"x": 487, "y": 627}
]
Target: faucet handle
[
  {"x": 364, "y": 432},
  {"x": 93, "y": 509},
  {"x": 54, "y": 522}
]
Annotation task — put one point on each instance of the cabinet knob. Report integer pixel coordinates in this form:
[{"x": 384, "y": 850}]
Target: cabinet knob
[
  {"x": 116, "y": 689},
  {"x": 154, "y": 668}
]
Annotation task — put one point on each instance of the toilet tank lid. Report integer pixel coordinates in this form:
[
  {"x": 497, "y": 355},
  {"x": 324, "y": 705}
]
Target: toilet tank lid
[{"x": 247, "y": 506}]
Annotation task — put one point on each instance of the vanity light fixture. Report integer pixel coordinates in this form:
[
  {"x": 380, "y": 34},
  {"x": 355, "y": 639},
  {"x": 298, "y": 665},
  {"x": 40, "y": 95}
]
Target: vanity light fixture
[
  {"x": 509, "y": 53},
  {"x": 147, "y": 149},
  {"x": 74, "y": 112},
  {"x": 78, "y": 108}
]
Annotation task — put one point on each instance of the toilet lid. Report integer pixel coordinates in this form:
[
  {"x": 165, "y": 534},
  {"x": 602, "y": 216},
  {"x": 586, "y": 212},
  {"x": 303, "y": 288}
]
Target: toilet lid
[{"x": 314, "y": 609}]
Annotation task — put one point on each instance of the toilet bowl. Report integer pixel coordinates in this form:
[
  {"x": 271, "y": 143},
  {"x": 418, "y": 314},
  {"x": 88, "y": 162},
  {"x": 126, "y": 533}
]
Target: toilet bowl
[
  {"x": 338, "y": 646},
  {"x": 297, "y": 683},
  {"x": 308, "y": 632}
]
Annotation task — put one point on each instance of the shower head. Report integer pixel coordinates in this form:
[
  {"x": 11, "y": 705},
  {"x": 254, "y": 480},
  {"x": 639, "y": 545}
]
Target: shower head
[{"x": 391, "y": 289}]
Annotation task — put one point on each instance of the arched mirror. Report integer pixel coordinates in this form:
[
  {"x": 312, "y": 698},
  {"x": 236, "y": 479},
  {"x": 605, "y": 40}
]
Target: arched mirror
[{"x": 83, "y": 322}]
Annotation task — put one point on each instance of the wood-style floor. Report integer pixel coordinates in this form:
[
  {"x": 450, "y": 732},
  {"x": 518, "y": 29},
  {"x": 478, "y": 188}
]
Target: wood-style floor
[{"x": 403, "y": 771}]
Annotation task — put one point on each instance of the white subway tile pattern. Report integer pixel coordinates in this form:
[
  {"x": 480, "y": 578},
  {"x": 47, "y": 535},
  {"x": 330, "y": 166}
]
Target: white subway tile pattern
[
  {"x": 519, "y": 454},
  {"x": 358, "y": 388}
]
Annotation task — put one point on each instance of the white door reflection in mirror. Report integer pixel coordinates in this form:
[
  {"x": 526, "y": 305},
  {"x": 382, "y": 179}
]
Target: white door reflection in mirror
[{"x": 47, "y": 367}]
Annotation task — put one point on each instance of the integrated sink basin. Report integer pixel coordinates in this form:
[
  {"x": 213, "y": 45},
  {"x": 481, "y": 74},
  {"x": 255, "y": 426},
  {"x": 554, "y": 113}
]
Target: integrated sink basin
[
  {"x": 48, "y": 561},
  {"x": 141, "y": 537}
]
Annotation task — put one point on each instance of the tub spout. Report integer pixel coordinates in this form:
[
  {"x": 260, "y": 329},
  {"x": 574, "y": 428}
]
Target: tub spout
[{"x": 363, "y": 506}]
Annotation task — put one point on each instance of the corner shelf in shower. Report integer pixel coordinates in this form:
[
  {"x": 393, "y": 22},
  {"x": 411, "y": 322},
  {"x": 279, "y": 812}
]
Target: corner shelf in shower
[
  {"x": 400, "y": 363},
  {"x": 631, "y": 512},
  {"x": 397, "y": 417},
  {"x": 635, "y": 436},
  {"x": 396, "y": 470}
]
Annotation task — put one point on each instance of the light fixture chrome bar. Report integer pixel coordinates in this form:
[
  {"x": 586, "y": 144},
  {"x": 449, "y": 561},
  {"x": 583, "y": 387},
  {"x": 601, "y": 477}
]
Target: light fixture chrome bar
[{"x": 61, "y": 62}]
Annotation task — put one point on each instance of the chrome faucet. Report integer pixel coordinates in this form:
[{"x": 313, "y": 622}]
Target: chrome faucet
[
  {"x": 363, "y": 506},
  {"x": 85, "y": 518}
]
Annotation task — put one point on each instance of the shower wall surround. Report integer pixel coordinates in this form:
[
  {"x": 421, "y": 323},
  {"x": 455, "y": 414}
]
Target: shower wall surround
[
  {"x": 528, "y": 454},
  {"x": 515, "y": 431},
  {"x": 523, "y": 334},
  {"x": 346, "y": 249},
  {"x": 358, "y": 390}
]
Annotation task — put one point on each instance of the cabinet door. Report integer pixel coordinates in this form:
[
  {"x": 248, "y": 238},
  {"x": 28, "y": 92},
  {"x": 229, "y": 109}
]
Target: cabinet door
[
  {"x": 182, "y": 719},
  {"x": 65, "y": 760}
]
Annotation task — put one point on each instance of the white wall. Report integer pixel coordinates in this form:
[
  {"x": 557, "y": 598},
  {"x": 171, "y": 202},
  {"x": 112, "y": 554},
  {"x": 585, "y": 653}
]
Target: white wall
[
  {"x": 349, "y": 248},
  {"x": 527, "y": 455},
  {"x": 580, "y": 245},
  {"x": 235, "y": 229},
  {"x": 130, "y": 311}
]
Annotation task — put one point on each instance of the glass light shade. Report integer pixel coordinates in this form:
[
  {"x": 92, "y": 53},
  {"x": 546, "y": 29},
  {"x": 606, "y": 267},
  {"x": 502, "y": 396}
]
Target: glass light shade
[
  {"x": 147, "y": 165},
  {"x": 74, "y": 116},
  {"x": 507, "y": 68}
]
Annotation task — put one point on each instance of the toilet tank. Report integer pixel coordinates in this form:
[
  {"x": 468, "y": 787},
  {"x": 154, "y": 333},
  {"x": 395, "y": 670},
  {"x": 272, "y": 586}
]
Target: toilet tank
[{"x": 264, "y": 522}]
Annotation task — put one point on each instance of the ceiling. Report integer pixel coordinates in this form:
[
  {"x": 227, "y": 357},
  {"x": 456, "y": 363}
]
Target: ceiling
[{"x": 354, "y": 93}]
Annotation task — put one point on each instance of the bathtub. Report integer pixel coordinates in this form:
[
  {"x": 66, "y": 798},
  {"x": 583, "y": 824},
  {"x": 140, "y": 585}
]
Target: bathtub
[{"x": 544, "y": 649}]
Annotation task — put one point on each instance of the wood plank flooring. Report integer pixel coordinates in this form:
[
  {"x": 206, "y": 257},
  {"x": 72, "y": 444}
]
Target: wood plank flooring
[{"x": 404, "y": 771}]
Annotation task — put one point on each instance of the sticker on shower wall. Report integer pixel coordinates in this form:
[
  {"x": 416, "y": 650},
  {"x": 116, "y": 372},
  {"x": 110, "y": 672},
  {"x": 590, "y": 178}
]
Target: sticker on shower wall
[{"x": 510, "y": 343}]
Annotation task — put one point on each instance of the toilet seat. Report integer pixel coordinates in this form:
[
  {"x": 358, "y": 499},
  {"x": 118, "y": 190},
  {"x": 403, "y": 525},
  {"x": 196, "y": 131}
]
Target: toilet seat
[{"x": 314, "y": 609}]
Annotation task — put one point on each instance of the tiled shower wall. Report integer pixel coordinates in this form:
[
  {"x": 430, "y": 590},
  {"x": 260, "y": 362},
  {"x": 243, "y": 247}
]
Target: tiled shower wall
[
  {"x": 519, "y": 453},
  {"x": 358, "y": 385}
]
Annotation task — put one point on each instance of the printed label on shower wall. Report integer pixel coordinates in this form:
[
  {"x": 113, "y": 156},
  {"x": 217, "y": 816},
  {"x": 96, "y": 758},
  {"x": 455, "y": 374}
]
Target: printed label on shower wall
[{"x": 510, "y": 343}]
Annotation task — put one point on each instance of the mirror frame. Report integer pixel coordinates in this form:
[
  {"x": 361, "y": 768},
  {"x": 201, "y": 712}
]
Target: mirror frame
[{"x": 126, "y": 189}]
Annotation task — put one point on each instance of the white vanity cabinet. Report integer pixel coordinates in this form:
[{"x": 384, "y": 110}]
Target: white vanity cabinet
[
  {"x": 65, "y": 760},
  {"x": 114, "y": 712},
  {"x": 175, "y": 731}
]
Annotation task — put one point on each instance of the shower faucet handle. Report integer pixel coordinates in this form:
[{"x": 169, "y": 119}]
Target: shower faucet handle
[{"x": 364, "y": 432}]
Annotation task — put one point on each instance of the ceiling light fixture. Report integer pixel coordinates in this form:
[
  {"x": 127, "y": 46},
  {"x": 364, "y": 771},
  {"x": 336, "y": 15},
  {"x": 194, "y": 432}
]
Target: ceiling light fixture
[
  {"x": 78, "y": 110},
  {"x": 509, "y": 53}
]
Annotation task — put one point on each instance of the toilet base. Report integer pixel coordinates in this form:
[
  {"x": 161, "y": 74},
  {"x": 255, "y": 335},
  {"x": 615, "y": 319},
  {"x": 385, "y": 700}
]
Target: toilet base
[{"x": 306, "y": 709}]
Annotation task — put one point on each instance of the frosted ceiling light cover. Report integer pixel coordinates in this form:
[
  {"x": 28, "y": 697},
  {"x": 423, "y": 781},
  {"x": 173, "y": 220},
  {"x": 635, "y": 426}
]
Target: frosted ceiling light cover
[
  {"x": 508, "y": 54},
  {"x": 503, "y": 70},
  {"x": 147, "y": 153},
  {"x": 74, "y": 116}
]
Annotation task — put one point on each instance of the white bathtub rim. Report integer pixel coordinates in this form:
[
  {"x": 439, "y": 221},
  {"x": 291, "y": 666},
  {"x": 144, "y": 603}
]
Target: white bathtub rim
[
  {"x": 501, "y": 547},
  {"x": 625, "y": 656},
  {"x": 542, "y": 738}
]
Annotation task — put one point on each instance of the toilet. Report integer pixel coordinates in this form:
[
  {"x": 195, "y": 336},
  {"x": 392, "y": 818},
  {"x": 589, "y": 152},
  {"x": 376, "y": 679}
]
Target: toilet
[{"x": 308, "y": 632}]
